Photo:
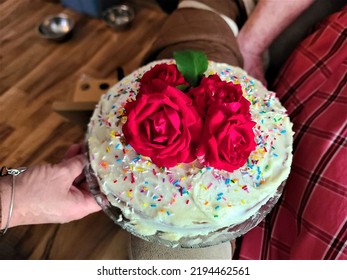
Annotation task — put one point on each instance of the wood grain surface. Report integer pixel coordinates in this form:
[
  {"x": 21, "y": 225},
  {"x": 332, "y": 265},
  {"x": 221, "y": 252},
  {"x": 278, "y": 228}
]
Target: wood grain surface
[{"x": 35, "y": 73}]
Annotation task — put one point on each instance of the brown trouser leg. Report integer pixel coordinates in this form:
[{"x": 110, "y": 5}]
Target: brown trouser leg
[{"x": 196, "y": 29}]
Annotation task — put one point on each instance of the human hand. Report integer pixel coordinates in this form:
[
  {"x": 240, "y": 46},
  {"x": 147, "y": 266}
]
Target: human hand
[
  {"x": 253, "y": 64},
  {"x": 262, "y": 28},
  {"x": 51, "y": 193}
]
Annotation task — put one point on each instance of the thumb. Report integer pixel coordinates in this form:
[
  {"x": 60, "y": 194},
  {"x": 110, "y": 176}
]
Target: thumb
[
  {"x": 74, "y": 165},
  {"x": 73, "y": 150},
  {"x": 90, "y": 203},
  {"x": 84, "y": 203}
]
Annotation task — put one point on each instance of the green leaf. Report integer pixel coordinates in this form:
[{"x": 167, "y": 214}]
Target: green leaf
[
  {"x": 182, "y": 87},
  {"x": 191, "y": 64}
]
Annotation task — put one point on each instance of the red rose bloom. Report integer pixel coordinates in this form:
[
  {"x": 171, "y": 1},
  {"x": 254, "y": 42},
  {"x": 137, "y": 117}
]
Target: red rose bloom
[
  {"x": 227, "y": 140},
  {"x": 212, "y": 90},
  {"x": 168, "y": 73},
  {"x": 163, "y": 125}
]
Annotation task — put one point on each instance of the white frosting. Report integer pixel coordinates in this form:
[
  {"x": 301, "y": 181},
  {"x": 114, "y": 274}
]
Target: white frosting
[{"x": 189, "y": 199}]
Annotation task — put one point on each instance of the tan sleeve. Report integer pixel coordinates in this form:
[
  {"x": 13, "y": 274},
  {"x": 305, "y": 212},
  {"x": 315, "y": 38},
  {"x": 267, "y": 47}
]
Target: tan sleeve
[{"x": 196, "y": 30}]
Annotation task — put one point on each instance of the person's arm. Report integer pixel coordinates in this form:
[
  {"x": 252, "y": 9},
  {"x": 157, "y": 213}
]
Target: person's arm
[
  {"x": 266, "y": 22},
  {"x": 48, "y": 193}
]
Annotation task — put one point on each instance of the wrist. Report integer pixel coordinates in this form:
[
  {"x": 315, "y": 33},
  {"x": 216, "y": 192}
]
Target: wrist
[
  {"x": 5, "y": 199},
  {"x": 250, "y": 43},
  {"x": 7, "y": 188}
]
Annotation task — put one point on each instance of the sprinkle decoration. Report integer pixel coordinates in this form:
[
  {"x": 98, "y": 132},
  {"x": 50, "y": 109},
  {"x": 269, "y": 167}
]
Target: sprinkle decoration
[{"x": 166, "y": 191}]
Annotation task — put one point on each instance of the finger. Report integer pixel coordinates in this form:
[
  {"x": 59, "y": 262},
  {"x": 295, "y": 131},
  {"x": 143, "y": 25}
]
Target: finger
[
  {"x": 91, "y": 204},
  {"x": 73, "y": 150},
  {"x": 264, "y": 83},
  {"x": 262, "y": 79},
  {"x": 74, "y": 165},
  {"x": 84, "y": 201}
]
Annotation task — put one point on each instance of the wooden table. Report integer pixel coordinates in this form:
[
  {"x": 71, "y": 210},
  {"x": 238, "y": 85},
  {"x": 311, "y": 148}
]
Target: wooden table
[{"x": 35, "y": 73}]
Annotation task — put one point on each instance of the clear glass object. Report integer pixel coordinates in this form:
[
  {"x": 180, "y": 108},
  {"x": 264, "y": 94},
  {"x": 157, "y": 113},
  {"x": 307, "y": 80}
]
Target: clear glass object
[{"x": 198, "y": 241}]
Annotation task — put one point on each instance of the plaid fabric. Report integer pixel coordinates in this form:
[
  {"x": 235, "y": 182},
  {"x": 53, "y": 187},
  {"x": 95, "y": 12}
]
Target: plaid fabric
[{"x": 310, "y": 220}]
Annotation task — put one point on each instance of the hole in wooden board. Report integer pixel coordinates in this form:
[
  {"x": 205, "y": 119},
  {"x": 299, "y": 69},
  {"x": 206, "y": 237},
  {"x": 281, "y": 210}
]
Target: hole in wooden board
[
  {"x": 104, "y": 86},
  {"x": 85, "y": 86}
]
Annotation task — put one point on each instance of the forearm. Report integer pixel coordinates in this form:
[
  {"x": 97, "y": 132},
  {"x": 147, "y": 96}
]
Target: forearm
[
  {"x": 5, "y": 190},
  {"x": 0, "y": 212},
  {"x": 47, "y": 194},
  {"x": 267, "y": 21}
]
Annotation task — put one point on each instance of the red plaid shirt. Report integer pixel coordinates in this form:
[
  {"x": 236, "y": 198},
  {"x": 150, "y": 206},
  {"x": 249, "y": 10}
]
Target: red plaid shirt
[{"x": 310, "y": 220}]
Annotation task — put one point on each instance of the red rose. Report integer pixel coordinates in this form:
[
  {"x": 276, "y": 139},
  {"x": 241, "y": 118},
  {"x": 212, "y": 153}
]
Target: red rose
[
  {"x": 227, "y": 140},
  {"x": 163, "y": 125},
  {"x": 167, "y": 73},
  {"x": 212, "y": 90}
]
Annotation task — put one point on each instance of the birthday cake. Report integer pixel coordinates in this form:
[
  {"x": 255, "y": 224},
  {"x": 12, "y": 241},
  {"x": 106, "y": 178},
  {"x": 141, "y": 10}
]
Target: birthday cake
[{"x": 182, "y": 156}]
